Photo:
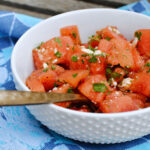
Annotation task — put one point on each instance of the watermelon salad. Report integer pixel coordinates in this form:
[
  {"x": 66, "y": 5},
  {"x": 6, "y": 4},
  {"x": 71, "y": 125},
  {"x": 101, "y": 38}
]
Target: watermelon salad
[{"x": 112, "y": 72}]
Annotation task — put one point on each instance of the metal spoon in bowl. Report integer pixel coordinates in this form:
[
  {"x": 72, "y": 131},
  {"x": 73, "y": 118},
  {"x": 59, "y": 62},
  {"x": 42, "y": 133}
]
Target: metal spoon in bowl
[{"x": 13, "y": 98}]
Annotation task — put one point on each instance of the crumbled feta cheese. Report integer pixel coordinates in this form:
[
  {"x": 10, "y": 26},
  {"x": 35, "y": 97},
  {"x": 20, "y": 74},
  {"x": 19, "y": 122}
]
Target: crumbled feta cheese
[
  {"x": 110, "y": 28},
  {"x": 40, "y": 56},
  {"x": 114, "y": 83},
  {"x": 97, "y": 52},
  {"x": 54, "y": 89},
  {"x": 55, "y": 50},
  {"x": 126, "y": 82},
  {"x": 117, "y": 93},
  {"x": 43, "y": 50},
  {"x": 54, "y": 61},
  {"x": 45, "y": 65},
  {"x": 99, "y": 61},
  {"x": 114, "y": 30},
  {"x": 135, "y": 41},
  {"x": 88, "y": 51},
  {"x": 67, "y": 48}
]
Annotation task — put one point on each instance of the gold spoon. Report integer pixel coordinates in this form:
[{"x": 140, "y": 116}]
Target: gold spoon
[{"x": 13, "y": 98}]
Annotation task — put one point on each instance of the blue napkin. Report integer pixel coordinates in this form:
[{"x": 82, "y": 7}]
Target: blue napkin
[{"x": 19, "y": 130}]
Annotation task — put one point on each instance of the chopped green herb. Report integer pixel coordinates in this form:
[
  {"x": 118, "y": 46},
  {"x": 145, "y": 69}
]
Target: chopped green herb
[
  {"x": 67, "y": 45},
  {"x": 53, "y": 67},
  {"x": 148, "y": 71},
  {"x": 109, "y": 65},
  {"x": 89, "y": 54},
  {"x": 108, "y": 92},
  {"x": 73, "y": 48},
  {"x": 108, "y": 38},
  {"x": 93, "y": 60},
  {"x": 82, "y": 61},
  {"x": 91, "y": 48},
  {"x": 148, "y": 64},
  {"x": 38, "y": 47},
  {"x": 74, "y": 35},
  {"x": 109, "y": 81},
  {"x": 116, "y": 75},
  {"x": 58, "y": 40},
  {"x": 99, "y": 87},
  {"x": 45, "y": 70},
  {"x": 84, "y": 55},
  {"x": 74, "y": 75},
  {"x": 112, "y": 74},
  {"x": 74, "y": 58},
  {"x": 108, "y": 71},
  {"x": 103, "y": 54},
  {"x": 58, "y": 54},
  {"x": 47, "y": 63},
  {"x": 113, "y": 29},
  {"x": 70, "y": 90},
  {"x": 126, "y": 71},
  {"x": 99, "y": 36},
  {"x": 55, "y": 84},
  {"x": 138, "y": 35},
  {"x": 127, "y": 67},
  {"x": 95, "y": 38}
]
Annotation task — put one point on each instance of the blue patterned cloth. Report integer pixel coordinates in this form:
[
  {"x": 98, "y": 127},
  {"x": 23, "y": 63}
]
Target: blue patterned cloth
[{"x": 19, "y": 130}]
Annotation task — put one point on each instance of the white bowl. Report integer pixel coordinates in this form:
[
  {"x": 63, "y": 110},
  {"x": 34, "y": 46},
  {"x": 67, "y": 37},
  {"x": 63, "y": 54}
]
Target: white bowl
[{"x": 87, "y": 127}]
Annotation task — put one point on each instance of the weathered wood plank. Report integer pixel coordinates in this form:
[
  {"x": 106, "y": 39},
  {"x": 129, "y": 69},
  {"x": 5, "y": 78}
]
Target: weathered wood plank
[
  {"x": 57, "y": 5},
  {"x": 30, "y": 13},
  {"x": 110, "y": 3},
  {"x": 124, "y": 1},
  {"x": 46, "y": 8}
]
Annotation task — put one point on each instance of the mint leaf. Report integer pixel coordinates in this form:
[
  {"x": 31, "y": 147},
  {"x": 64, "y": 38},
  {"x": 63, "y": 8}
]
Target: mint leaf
[
  {"x": 58, "y": 54},
  {"x": 93, "y": 60},
  {"x": 58, "y": 40},
  {"x": 74, "y": 75},
  {"x": 74, "y": 58},
  {"x": 99, "y": 87},
  {"x": 138, "y": 35}
]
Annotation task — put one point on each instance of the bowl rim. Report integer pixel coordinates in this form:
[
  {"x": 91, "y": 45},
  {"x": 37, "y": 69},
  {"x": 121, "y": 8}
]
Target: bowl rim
[{"x": 74, "y": 112}]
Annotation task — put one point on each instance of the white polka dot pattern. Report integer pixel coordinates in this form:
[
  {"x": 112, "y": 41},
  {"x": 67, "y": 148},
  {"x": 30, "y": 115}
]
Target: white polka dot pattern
[
  {"x": 90, "y": 128},
  {"x": 93, "y": 130}
]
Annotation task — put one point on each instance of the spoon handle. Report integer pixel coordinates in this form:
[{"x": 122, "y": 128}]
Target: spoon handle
[{"x": 10, "y": 98}]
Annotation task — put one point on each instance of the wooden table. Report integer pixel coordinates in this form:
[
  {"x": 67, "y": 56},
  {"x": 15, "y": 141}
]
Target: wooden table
[{"x": 47, "y": 8}]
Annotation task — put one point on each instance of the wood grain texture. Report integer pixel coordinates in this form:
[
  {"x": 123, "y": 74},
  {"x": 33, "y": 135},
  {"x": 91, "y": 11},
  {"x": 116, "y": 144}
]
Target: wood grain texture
[
  {"x": 124, "y": 1},
  {"x": 110, "y": 3},
  {"x": 47, "y": 8},
  {"x": 23, "y": 11},
  {"x": 57, "y": 5}
]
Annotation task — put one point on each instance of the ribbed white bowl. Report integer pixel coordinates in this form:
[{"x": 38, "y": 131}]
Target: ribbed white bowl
[{"x": 87, "y": 127}]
